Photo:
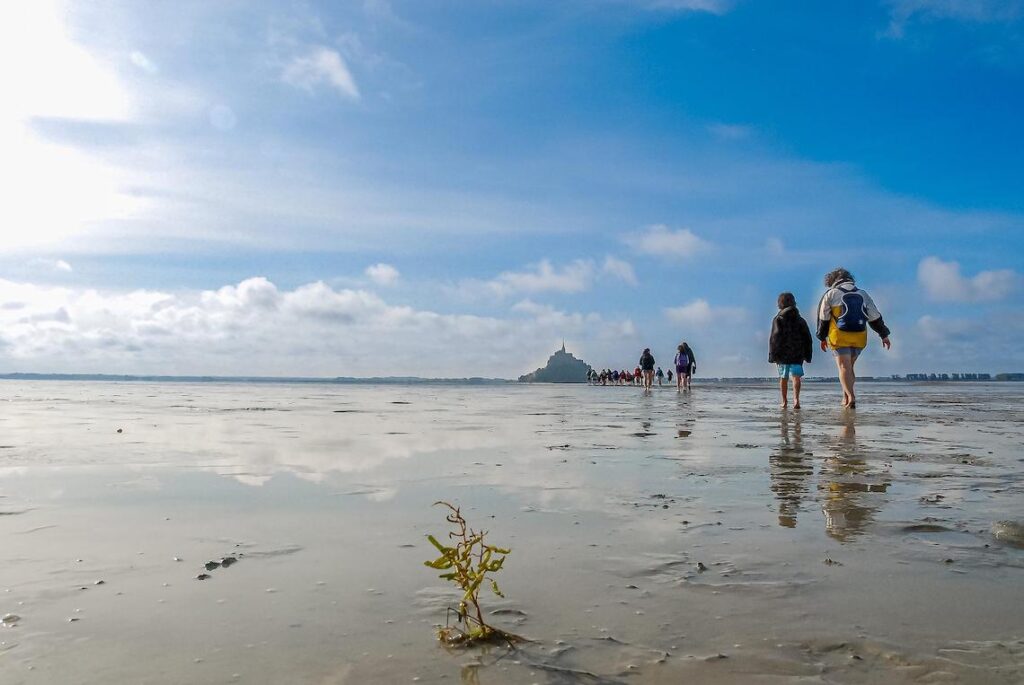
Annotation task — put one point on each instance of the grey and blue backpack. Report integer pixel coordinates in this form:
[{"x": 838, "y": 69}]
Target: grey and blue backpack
[{"x": 853, "y": 318}]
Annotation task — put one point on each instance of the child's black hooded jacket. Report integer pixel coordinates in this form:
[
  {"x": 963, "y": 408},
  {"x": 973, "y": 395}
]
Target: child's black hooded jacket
[{"x": 790, "y": 341}]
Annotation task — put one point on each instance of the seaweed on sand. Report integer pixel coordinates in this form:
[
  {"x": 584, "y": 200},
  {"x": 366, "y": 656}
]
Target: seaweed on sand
[{"x": 467, "y": 564}]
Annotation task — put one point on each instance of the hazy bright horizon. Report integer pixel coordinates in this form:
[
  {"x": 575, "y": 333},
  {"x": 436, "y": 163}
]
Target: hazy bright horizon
[{"x": 450, "y": 189}]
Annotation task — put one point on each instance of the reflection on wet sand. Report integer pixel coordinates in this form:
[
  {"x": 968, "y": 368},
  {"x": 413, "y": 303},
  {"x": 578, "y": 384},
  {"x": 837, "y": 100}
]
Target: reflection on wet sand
[
  {"x": 850, "y": 490},
  {"x": 789, "y": 469},
  {"x": 649, "y": 545}
]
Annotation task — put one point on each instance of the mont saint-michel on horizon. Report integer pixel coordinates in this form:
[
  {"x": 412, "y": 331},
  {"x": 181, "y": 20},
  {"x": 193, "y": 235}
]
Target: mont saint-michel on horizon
[{"x": 562, "y": 367}]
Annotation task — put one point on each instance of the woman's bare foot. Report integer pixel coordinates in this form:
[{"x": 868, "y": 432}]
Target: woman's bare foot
[
  {"x": 796, "y": 406},
  {"x": 783, "y": 405}
]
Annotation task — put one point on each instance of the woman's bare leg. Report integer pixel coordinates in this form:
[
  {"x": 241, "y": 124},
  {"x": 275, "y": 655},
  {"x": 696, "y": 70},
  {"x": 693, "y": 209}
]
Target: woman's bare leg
[
  {"x": 846, "y": 378},
  {"x": 797, "y": 382},
  {"x": 784, "y": 389}
]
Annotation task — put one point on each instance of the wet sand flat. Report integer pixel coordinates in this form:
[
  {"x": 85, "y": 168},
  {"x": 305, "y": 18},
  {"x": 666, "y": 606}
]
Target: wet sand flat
[{"x": 704, "y": 537}]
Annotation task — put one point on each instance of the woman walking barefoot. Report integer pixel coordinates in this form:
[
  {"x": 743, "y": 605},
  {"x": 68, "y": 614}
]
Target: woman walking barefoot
[{"x": 844, "y": 314}]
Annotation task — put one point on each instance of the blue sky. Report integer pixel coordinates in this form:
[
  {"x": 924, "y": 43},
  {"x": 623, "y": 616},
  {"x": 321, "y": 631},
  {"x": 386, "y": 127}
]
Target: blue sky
[{"x": 450, "y": 188}]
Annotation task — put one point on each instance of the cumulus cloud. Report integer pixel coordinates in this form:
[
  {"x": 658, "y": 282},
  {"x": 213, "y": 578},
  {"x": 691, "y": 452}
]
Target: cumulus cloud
[
  {"x": 558, "y": 319},
  {"x": 943, "y": 281},
  {"x": 321, "y": 66},
  {"x": 577, "y": 276},
  {"x": 574, "y": 277},
  {"x": 988, "y": 343},
  {"x": 700, "y": 313},
  {"x": 661, "y": 241},
  {"x": 382, "y": 274},
  {"x": 620, "y": 269},
  {"x": 254, "y": 327},
  {"x": 942, "y": 331}
]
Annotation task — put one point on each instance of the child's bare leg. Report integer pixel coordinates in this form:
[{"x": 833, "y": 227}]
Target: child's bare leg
[
  {"x": 797, "y": 382},
  {"x": 784, "y": 389}
]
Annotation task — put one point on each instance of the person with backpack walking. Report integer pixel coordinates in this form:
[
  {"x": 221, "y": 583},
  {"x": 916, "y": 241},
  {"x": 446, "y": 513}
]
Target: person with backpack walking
[
  {"x": 660, "y": 375},
  {"x": 686, "y": 365},
  {"x": 789, "y": 346},
  {"x": 647, "y": 366},
  {"x": 844, "y": 314}
]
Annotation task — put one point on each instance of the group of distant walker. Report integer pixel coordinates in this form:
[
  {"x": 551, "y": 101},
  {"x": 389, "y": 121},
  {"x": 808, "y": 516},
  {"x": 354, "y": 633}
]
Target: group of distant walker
[
  {"x": 844, "y": 314},
  {"x": 647, "y": 370}
]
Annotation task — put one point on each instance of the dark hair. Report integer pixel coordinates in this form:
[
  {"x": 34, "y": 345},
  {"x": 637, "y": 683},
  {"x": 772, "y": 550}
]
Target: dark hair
[
  {"x": 786, "y": 300},
  {"x": 837, "y": 275}
]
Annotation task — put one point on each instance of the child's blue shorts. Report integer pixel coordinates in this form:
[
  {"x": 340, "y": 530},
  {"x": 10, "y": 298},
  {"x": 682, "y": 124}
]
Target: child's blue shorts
[{"x": 787, "y": 370}]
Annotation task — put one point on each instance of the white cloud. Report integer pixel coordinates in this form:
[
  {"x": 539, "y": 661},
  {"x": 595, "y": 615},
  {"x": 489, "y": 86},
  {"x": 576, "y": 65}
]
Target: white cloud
[
  {"x": 574, "y": 277},
  {"x": 321, "y": 66},
  {"x": 661, "y": 241},
  {"x": 620, "y": 269},
  {"x": 254, "y": 327},
  {"x": 943, "y": 281},
  {"x": 902, "y": 12},
  {"x": 382, "y": 274},
  {"x": 939, "y": 331},
  {"x": 989, "y": 343},
  {"x": 700, "y": 313},
  {"x": 557, "y": 319},
  {"x": 50, "y": 265}
]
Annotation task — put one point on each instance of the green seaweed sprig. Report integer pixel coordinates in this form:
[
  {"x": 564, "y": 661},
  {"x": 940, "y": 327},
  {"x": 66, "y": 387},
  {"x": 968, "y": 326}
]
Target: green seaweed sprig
[{"x": 467, "y": 564}]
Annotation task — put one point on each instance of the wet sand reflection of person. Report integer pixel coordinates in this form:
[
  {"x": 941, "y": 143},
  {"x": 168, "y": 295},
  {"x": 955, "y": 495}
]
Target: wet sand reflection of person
[
  {"x": 848, "y": 486},
  {"x": 789, "y": 469},
  {"x": 685, "y": 421}
]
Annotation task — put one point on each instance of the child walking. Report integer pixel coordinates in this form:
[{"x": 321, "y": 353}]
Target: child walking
[{"x": 789, "y": 346}]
